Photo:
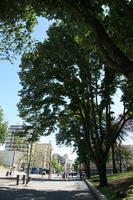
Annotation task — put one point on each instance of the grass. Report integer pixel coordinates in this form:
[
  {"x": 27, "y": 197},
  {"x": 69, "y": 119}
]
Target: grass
[
  {"x": 120, "y": 186},
  {"x": 3, "y": 165}
]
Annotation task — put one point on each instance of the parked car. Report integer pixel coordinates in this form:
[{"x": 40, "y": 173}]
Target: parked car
[
  {"x": 72, "y": 173},
  {"x": 34, "y": 170}
]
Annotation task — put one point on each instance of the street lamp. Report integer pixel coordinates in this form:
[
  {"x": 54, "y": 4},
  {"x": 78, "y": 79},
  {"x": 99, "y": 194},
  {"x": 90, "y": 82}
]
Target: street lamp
[{"x": 50, "y": 162}]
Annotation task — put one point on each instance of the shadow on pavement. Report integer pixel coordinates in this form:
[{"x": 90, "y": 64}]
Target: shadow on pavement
[
  {"x": 40, "y": 179},
  {"x": 54, "y": 179},
  {"x": 8, "y": 178},
  {"x": 29, "y": 194}
]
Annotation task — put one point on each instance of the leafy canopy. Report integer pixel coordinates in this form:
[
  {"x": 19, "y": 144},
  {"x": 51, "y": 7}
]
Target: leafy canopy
[{"x": 106, "y": 22}]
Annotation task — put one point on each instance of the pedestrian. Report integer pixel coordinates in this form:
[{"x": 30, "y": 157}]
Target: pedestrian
[
  {"x": 80, "y": 175},
  {"x": 7, "y": 173},
  {"x": 72, "y": 174},
  {"x": 63, "y": 176}
]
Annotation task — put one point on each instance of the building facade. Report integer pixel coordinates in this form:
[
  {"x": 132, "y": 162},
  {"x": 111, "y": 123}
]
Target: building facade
[
  {"x": 16, "y": 148},
  {"x": 42, "y": 155},
  {"x": 14, "y": 142}
]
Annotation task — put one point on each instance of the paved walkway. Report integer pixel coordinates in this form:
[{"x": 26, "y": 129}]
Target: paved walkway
[{"x": 54, "y": 189}]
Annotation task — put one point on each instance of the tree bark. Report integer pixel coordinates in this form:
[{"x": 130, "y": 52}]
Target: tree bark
[
  {"x": 29, "y": 163},
  {"x": 113, "y": 160},
  {"x": 101, "y": 166},
  {"x": 111, "y": 55},
  {"x": 88, "y": 170},
  {"x": 120, "y": 163}
]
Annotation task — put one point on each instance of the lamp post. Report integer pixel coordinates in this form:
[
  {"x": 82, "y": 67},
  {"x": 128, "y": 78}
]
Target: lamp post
[
  {"x": 42, "y": 155},
  {"x": 50, "y": 163},
  {"x": 13, "y": 148}
]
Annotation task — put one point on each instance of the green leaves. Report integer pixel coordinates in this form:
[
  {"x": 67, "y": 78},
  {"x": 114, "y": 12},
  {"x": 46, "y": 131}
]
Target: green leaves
[
  {"x": 3, "y": 127},
  {"x": 16, "y": 24},
  {"x": 105, "y": 22},
  {"x": 127, "y": 97}
]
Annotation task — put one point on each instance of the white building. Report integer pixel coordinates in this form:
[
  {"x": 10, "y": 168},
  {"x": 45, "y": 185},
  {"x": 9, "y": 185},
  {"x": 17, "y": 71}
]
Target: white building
[
  {"x": 14, "y": 142},
  {"x": 10, "y": 158},
  {"x": 15, "y": 148}
]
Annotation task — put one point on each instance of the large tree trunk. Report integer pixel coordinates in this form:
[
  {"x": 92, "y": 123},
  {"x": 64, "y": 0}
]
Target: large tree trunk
[
  {"x": 113, "y": 160},
  {"x": 101, "y": 166},
  {"x": 120, "y": 164},
  {"x": 88, "y": 171},
  {"x": 29, "y": 163}
]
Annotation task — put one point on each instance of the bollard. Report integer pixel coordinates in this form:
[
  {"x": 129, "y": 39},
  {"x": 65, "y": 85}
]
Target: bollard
[
  {"x": 23, "y": 179},
  {"x": 18, "y": 179},
  {"x": 28, "y": 180}
]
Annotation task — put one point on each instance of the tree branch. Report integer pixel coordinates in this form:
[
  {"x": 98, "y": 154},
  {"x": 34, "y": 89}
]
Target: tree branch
[
  {"x": 126, "y": 8},
  {"x": 110, "y": 53}
]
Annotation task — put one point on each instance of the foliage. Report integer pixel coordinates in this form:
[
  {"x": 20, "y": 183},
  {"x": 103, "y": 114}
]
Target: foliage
[
  {"x": 127, "y": 89},
  {"x": 3, "y": 127},
  {"x": 65, "y": 91},
  {"x": 75, "y": 164},
  {"x": 106, "y": 23},
  {"x": 15, "y": 29},
  {"x": 123, "y": 153},
  {"x": 121, "y": 157},
  {"x": 3, "y": 165},
  {"x": 55, "y": 164},
  {"x": 18, "y": 143}
]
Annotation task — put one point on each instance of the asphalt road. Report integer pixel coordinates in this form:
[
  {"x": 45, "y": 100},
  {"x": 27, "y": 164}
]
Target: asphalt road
[{"x": 54, "y": 189}]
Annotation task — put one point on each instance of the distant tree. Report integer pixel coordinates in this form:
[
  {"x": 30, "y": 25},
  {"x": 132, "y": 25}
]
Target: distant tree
[
  {"x": 56, "y": 165},
  {"x": 76, "y": 164},
  {"x": 122, "y": 155},
  {"x": 70, "y": 134},
  {"x": 3, "y": 127},
  {"x": 127, "y": 96},
  {"x": 30, "y": 135},
  {"x": 124, "y": 124}
]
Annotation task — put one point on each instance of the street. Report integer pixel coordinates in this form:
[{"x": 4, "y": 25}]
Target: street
[{"x": 54, "y": 189}]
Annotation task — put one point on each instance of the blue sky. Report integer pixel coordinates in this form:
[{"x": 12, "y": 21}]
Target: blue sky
[
  {"x": 9, "y": 87},
  {"x": 9, "y": 80}
]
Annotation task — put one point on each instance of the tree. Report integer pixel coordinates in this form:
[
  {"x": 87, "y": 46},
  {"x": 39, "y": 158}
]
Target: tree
[
  {"x": 67, "y": 78},
  {"x": 30, "y": 136},
  {"x": 113, "y": 155},
  {"x": 122, "y": 125},
  {"x": 105, "y": 21},
  {"x": 56, "y": 165},
  {"x": 15, "y": 29},
  {"x": 122, "y": 155},
  {"x": 71, "y": 133},
  {"x": 3, "y": 127}
]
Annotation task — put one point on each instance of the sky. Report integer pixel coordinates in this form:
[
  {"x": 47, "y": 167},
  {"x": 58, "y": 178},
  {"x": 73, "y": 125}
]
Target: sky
[{"x": 9, "y": 87}]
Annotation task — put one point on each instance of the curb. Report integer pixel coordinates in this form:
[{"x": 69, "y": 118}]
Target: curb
[{"x": 96, "y": 192}]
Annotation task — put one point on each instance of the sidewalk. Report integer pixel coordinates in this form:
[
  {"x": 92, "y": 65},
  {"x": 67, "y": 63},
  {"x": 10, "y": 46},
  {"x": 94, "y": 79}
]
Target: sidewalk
[
  {"x": 55, "y": 184},
  {"x": 37, "y": 182},
  {"x": 48, "y": 189}
]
